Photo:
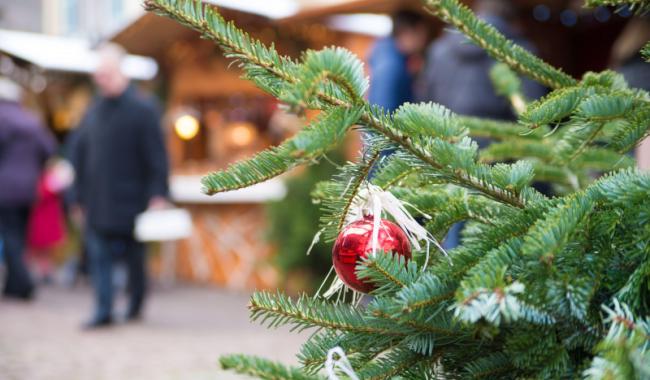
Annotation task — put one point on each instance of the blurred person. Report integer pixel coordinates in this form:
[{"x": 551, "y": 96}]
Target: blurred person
[
  {"x": 391, "y": 72},
  {"x": 25, "y": 146},
  {"x": 122, "y": 170},
  {"x": 457, "y": 76},
  {"x": 457, "y": 73},
  {"x": 47, "y": 228}
]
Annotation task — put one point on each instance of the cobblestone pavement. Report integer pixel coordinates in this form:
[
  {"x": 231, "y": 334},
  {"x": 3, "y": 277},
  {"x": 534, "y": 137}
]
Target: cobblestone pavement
[{"x": 182, "y": 336}]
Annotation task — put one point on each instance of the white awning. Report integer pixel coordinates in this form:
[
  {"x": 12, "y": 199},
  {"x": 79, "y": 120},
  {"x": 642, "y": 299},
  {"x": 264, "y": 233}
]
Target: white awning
[
  {"x": 187, "y": 189},
  {"x": 275, "y": 9},
  {"x": 374, "y": 25},
  {"x": 67, "y": 54}
]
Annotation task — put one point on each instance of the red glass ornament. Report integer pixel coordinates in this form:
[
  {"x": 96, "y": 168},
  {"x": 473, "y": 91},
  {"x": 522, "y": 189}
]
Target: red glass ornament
[{"x": 354, "y": 244}]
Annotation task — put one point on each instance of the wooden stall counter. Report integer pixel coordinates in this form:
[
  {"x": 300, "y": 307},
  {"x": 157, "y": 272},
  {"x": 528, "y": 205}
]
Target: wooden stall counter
[{"x": 227, "y": 247}]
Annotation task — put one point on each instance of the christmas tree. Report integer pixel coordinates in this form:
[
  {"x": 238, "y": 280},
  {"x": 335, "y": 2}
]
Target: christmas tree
[{"x": 541, "y": 287}]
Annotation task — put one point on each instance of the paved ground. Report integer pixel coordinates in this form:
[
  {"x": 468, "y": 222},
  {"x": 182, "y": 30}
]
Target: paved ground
[{"x": 185, "y": 331}]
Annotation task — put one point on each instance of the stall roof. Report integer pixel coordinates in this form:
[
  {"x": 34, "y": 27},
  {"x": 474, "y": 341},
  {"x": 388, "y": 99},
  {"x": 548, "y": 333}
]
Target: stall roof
[
  {"x": 74, "y": 55},
  {"x": 329, "y": 8},
  {"x": 149, "y": 34},
  {"x": 278, "y": 9}
]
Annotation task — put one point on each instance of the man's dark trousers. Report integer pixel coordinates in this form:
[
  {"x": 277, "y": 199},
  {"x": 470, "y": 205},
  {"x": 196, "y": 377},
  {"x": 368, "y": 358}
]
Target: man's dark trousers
[
  {"x": 103, "y": 251},
  {"x": 13, "y": 231}
]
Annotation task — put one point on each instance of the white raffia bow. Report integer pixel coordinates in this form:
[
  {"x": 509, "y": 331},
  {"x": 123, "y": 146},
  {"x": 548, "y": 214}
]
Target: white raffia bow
[
  {"x": 342, "y": 363},
  {"x": 372, "y": 200}
]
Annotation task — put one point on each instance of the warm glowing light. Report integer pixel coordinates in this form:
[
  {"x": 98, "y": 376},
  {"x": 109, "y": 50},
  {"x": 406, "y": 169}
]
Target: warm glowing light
[
  {"x": 186, "y": 127},
  {"x": 242, "y": 134}
]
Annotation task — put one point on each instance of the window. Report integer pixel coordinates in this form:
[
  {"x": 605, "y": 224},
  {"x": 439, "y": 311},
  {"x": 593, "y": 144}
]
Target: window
[
  {"x": 117, "y": 9},
  {"x": 70, "y": 16}
]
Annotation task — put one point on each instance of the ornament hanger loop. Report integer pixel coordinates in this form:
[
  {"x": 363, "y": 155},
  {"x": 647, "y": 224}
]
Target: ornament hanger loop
[{"x": 341, "y": 362}]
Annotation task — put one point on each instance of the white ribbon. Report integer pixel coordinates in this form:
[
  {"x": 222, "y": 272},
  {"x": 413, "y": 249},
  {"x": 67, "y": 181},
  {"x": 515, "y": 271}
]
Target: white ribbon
[
  {"x": 372, "y": 200},
  {"x": 341, "y": 363}
]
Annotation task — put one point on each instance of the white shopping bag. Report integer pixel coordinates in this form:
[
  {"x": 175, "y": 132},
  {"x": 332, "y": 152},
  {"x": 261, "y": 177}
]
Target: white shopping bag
[{"x": 163, "y": 225}]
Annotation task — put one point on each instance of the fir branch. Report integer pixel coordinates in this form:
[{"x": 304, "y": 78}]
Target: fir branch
[
  {"x": 376, "y": 119},
  {"x": 590, "y": 158},
  {"x": 633, "y": 292},
  {"x": 553, "y": 107},
  {"x": 388, "y": 272},
  {"x": 646, "y": 51},
  {"x": 625, "y": 187},
  {"x": 439, "y": 323},
  {"x": 395, "y": 363},
  {"x": 524, "y": 258},
  {"x": 303, "y": 313},
  {"x": 508, "y": 85},
  {"x": 359, "y": 348},
  {"x": 605, "y": 80},
  {"x": 638, "y": 6},
  {"x": 339, "y": 194},
  {"x": 549, "y": 235},
  {"x": 491, "y": 366},
  {"x": 492, "y": 299},
  {"x": 258, "y": 59},
  {"x": 605, "y": 107},
  {"x": 255, "y": 57},
  {"x": 308, "y": 145},
  {"x": 539, "y": 348},
  {"x": 498, "y": 46},
  {"x": 561, "y": 176},
  {"x": 487, "y": 270},
  {"x": 334, "y": 64},
  {"x": 426, "y": 292},
  {"x": 602, "y": 159},
  {"x": 313, "y": 352},
  {"x": 439, "y": 155},
  {"x": 263, "y": 369},
  {"x": 517, "y": 148},
  {"x": 633, "y": 130},
  {"x": 501, "y": 130},
  {"x": 475, "y": 247},
  {"x": 625, "y": 351},
  {"x": 392, "y": 170},
  {"x": 575, "y": 140},
  {"x": 430, "y": 120},
  {"x": 447, "y": 205}
]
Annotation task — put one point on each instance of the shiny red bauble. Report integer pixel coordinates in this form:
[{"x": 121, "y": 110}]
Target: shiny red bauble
[{"x": 354, "y": 244}]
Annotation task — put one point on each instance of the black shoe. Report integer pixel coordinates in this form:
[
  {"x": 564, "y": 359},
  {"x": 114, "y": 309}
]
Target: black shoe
[
  {"x": 23, "y": 295},
  {"x": 133, "y": 317},
  {"x": 97, "y": 323}
]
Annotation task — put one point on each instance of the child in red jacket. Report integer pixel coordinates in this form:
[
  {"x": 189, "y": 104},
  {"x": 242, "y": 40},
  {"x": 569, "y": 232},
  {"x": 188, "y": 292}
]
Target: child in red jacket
[{"x": 46, "y": 228}]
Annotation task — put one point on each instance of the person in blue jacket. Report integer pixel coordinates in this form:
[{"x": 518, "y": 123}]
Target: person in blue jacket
[
  {"x": 391, "y": 73},
  {"x": 391, "y": 77}
]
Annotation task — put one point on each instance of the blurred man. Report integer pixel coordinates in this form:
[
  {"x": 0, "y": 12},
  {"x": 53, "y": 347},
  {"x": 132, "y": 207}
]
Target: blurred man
[
  {"x": 390, "y": 72},
  {"x": 25, "y": 145},
  {"x": 122, "y": 170},
  {"x": 457, "y": 74}
]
